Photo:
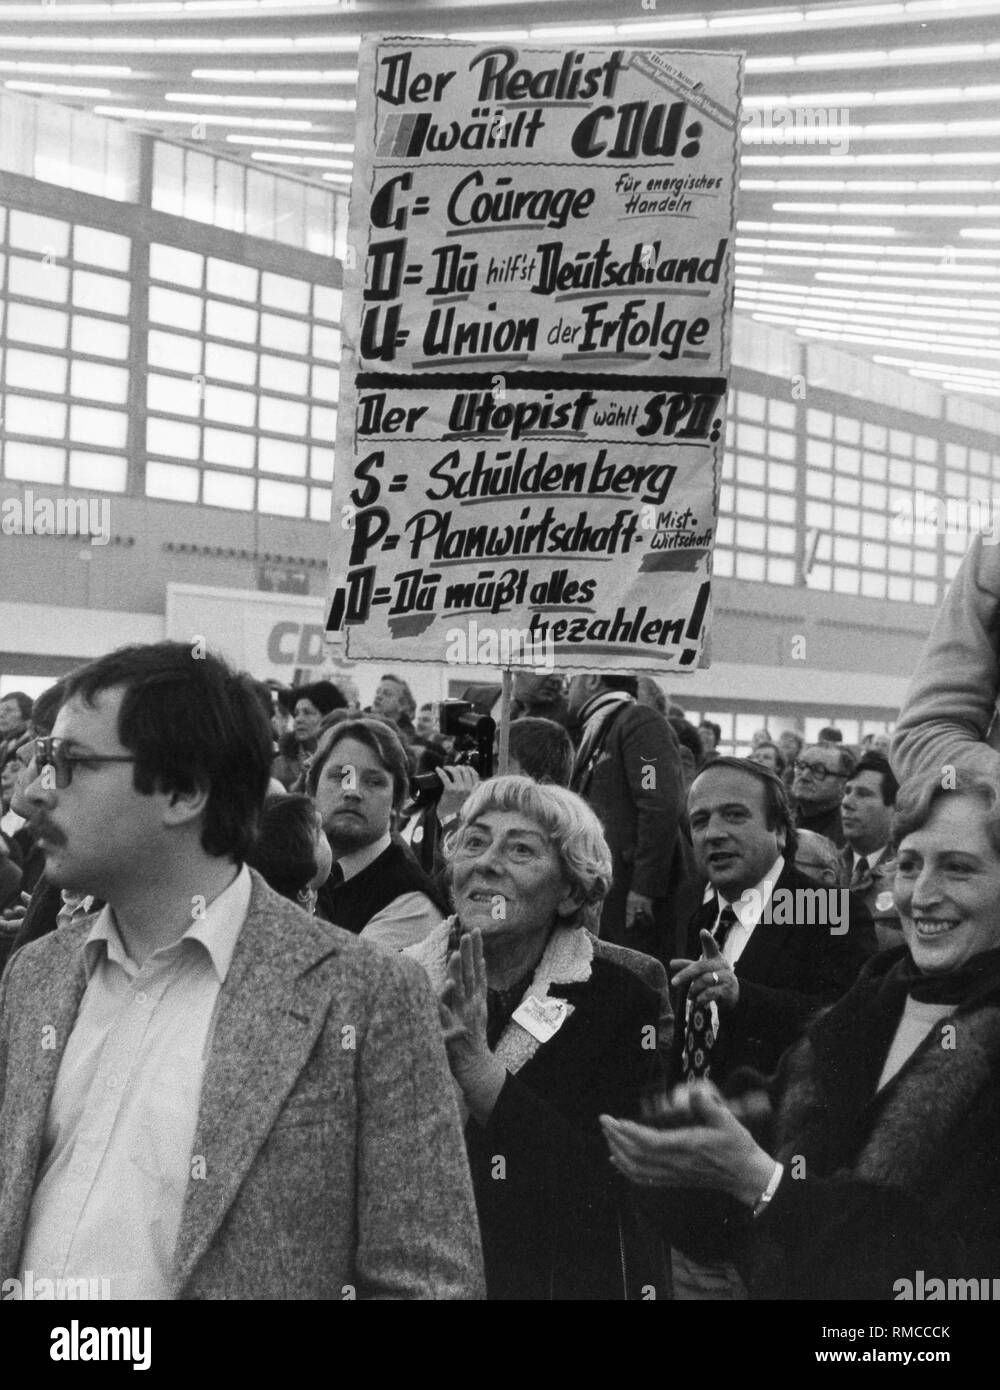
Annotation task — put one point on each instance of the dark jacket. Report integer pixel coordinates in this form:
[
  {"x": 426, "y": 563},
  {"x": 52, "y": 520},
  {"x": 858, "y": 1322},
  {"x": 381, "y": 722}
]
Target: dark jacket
[
  {"x": 786, "y": 974},
  {"x": 38, "y": 921},
  {"x": 634, "y": 786},
  {"x": 550, "y": 1224},
  {"x": 822, "y": 823},
  {"x": 353, "y": 904},
  {"x": 875, "y": 891}
]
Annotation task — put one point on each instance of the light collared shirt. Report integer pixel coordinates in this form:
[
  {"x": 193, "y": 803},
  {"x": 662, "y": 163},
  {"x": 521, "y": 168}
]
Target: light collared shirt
[
  {"x": 749, "y": 909},
  {"x": 74, "y": 906},
  {"x": 404, "y": 921},
  {"x": 117, "y": 1148}
]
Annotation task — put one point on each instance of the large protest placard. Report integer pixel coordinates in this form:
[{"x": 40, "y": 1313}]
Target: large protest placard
[{"x": 537, "y": 300}]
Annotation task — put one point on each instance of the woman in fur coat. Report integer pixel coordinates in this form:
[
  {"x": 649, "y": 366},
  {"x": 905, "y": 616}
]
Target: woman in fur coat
[{"x": 881, "y": 1170}]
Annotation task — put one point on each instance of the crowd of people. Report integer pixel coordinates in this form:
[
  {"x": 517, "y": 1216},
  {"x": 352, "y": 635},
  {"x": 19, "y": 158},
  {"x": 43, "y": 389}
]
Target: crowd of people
[{"x": 335, "y": 1011}]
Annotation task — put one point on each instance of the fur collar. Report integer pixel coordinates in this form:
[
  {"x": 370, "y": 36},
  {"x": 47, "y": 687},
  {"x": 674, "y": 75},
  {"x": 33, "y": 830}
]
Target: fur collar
[{"x": 566, "y": 960}]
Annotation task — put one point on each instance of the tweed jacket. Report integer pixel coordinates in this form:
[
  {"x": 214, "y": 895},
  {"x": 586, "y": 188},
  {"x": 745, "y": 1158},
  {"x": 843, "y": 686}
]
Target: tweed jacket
[{"x": 334, "y": 1165}]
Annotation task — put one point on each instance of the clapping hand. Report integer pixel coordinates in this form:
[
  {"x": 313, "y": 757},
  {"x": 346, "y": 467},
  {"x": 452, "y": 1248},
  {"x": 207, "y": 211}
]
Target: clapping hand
[{"x": 705, "y": 1146}]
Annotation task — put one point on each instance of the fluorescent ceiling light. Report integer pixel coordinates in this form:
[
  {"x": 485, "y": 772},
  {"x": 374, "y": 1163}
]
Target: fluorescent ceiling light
[
  {"x": 759, "y": 292},
  {"x": 937, "y": 255},
  {"x": 894, "y": 209},
  {"x": 318, "y": 160},
  {"x": 869, "y": 58},
  {"x": 913, "y": 96},
  {"x": 981, "y": 233},
  {"x": 930, "y": 367},
  {"x": 79, "y": 69},
  {"x": 199, "y": 118},
  {"x": 852, "y": 12},
  {"x": 869, "y": 161},
  {"x": 662, "y": 28},
  {"x": 968, "y": 387},
  {"x": 809, "y": 99},
  {"x": 753, "y": 21},
  {"x": 56, "y": 89},
  {"x": 330, "y": 145},
  {"x": 814, "y": 229},
  {"x": 879, "y": 295},
  {"x": 872, "y": 185},
  {"x": 285, "y": 76},
  {"x": 114, "y": 44},
  {"x": 574, "y": 35},
  {"x": 263, "y": 103},
  {"x": 837, "y": 330},
  {"x": 985, "y": 332},
  {"x": 491, "y": 35},
  {"x": 842, "y": 278},
  {"x": 921, "y": 269}
]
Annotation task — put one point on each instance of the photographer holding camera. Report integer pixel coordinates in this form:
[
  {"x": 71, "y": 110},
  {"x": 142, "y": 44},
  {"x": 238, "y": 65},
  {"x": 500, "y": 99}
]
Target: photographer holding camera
[{"x": 538, "y": 748}]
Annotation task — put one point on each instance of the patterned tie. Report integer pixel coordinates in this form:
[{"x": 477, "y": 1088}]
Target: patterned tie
[
  {"x": 699, "y": 1028},
  {"x": 861, "y": 876}
]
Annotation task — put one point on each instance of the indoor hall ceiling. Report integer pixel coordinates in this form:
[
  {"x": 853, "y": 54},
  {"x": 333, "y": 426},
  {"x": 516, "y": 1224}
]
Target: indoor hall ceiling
[{"x": 881, "y": 232}]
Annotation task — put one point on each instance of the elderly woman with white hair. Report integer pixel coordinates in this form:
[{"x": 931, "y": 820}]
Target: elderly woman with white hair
[{"x": 546, "y": 1028}]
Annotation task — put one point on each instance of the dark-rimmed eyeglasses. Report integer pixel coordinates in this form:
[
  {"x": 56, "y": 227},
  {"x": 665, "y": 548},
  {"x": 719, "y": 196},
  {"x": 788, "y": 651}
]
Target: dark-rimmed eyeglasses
[
  {"x": 49, "y": 752},
  {"x": 816, "y": 770}
]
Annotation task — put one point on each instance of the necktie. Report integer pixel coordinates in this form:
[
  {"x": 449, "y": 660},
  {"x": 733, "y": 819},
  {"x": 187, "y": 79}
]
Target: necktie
[
  {"x": 700, "y": 1028},
  {"x": 336, "y": 875},
  {"x": 862, "y": 872},
  {"x": 727, "y": 920}
]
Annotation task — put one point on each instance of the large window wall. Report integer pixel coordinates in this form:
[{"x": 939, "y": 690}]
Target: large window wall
[
  {"x": 187, "y": 359},
  {"x": 847, "y": 497},
  {"x": 242, "y": 385},
  {"x": 738, "y": 729},
  {"x": 757, "y": 520},
  {"x": 64, "y": 352}
]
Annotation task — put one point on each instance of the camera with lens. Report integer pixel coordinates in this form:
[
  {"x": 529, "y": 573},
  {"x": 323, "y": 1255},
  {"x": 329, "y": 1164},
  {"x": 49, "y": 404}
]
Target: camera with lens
[{"x": 473, "y": 734}]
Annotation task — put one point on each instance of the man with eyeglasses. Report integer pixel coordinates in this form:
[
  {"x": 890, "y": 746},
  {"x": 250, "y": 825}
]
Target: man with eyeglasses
[
  {"x": 821, "y": 773},
  {"x": 204, "y": 1092}
]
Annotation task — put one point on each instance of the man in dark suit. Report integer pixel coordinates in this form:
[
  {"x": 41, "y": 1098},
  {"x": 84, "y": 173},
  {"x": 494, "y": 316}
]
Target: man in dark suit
[
  {"x": 770, "y": 947},
  {"x": 628, "y": 770},
  {"x": 866, "y": 812}
]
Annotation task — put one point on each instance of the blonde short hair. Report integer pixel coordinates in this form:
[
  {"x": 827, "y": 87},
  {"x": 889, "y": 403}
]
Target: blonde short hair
[{"x": 567, "y": 820}]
